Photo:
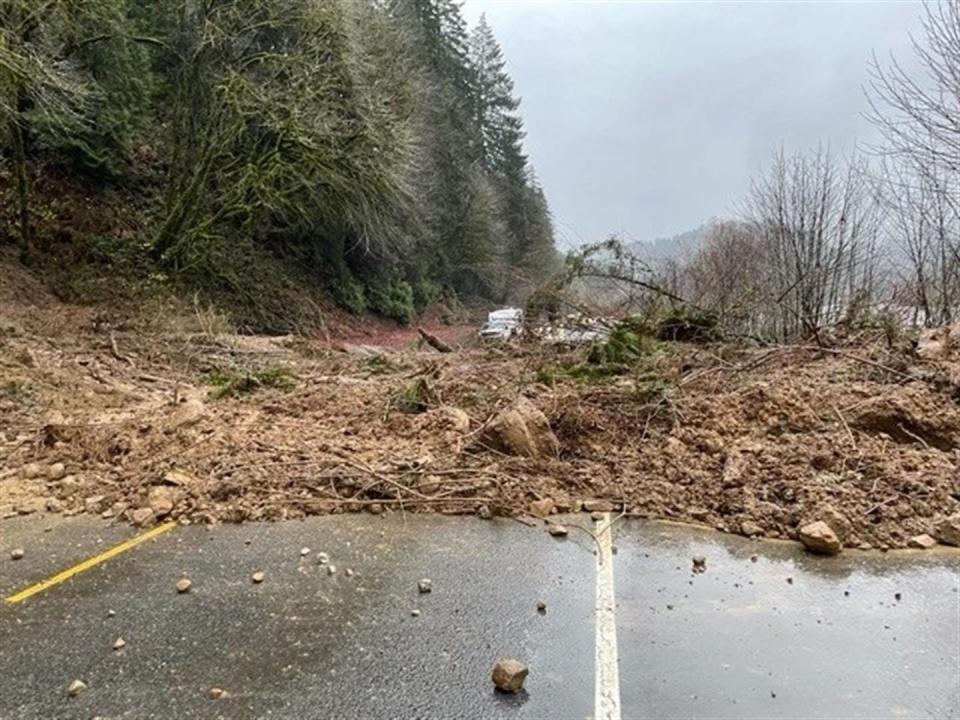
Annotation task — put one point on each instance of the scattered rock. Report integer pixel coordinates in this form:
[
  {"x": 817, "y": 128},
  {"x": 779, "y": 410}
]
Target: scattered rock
[
  {"x": 348, "y": 572},
  {"x": 32, "y": 470},
  {"x": 753, "y": 558},
  {"x": 54, "y": 505},
  {"x": 111, "y": 613},
  {"x": 898, "y": 597},
  {"x": 521, "y": 429},
  {"x": 733, "y": 468},
  {"x": 425, "y": 585},
  {"x": 67, "y": 487},
  {"x": 16, "y": 554},
  {"x": 565, "y": 504},
  {"x": 699, "y": 564},
  {"x": 161, "y": 500},
  {"x": 119, "y": 643},
  {"x": 375, "y": 508},
  {"x": 322, "y": 558},
  {"x": 304, "y": 551},
  {"x": 541, "y": 607},
  {"x": 179, "y": 478},
  {"x": 415, "y": 613},
  {"x": 818, "y": 537},
  {"x": 76, "y": 687},
  {"x": 921, "y": 542},
  {"x": 115, "y": 510},
  {"x": 750, "y": 528},
  {"x": 674, "y": 446},
  {"x": 331, "y": 569},
  {"x": 557, "y": 530},
  {"x": 947, "y": 530},
  {"x": 601, "y": 506},
  {"x": 141, "y": 517},
  {"x": 484, "y": 513},
  {"x": 216, "y": 693},
  {"x": 56, "y": 472},
  {"x": 257, "y": 577},
  {"x": 542, "y": 508},
  {"x": 509, "y": 675},
  {"x": 94, "y": 504},
  {"x": 699, "y": 513},
  {"x": 186, "y": 414},
  {"x": 457, "y": 419},
  {"x": 597, "y": 516},
  {"x": 184, "y": 585},
  {"x": 31, "y": 506}
]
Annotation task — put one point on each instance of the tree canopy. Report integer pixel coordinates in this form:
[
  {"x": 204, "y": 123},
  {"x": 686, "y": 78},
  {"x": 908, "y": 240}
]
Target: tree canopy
[{"x": 377, "y": 143}]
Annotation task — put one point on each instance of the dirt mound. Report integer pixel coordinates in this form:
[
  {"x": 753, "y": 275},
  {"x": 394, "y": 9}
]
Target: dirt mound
[{"x": 214, "y": 427}]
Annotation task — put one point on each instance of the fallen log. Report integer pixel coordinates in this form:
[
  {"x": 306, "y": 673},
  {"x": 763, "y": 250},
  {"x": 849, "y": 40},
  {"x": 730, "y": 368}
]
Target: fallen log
[{"x": 434, "y": 342}]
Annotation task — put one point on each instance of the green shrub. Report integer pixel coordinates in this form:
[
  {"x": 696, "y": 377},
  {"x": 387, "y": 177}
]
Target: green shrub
[
  {"x": 417, "y": 397},
  {"x": 625, "y": 344},
  {"x": 349, "y": 294},
  {"x": 232, "y": 383},
  {"x": 379, "y": 364},
  {"x": 392, "y": 299},
  {"x": 425, "y": 293},
  {"x": 689, "y": 326}
]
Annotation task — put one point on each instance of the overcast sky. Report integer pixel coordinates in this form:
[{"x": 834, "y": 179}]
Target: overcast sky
[{"x": 646, "y": 119}]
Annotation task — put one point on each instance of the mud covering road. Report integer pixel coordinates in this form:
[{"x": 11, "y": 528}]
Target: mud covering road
[
  {"x": 112, "y": 416},
  {"x": 785, "y": 636}
]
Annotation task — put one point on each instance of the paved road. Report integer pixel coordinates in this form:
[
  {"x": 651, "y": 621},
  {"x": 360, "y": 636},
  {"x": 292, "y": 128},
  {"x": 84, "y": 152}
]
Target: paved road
[{"x": 739, "y": 641}]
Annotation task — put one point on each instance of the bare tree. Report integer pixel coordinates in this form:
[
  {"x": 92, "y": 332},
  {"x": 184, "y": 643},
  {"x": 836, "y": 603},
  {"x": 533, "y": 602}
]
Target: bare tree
[
  {"x": 817, "y": 222},
  {"x": 918, "y": 118},
  {"x": 921, "y": 230}
]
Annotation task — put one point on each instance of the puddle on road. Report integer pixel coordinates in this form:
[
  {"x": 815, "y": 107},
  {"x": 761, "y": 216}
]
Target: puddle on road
[{"x": 787, "y": 634}]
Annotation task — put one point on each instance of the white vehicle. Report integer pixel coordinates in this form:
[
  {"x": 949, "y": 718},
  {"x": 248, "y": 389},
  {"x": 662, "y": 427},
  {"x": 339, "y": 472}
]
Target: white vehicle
[
  {"x": 511, "y": 315},
  {"x": 504, "y": 324}
]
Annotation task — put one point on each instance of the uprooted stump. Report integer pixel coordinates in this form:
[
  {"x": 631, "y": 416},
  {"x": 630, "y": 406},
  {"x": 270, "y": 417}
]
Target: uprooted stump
[{"x": 521, "y": 429}]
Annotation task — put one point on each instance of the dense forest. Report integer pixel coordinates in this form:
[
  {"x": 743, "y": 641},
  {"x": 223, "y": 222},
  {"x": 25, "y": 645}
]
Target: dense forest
[{"x": 370, "y": 149}]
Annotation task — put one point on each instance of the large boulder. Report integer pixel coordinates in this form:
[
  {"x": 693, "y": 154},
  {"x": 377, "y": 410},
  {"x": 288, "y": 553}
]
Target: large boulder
[
  {"x": 186, "y": 414},
  {"x": 161, "y": 499},
  {"x": 836, "y": 520},
  {"x": 938, "y": 342},
  {"x": 947, "y": 530},
  {"x": 521, "y": 429},
  {"x": 921, "y": 542},
  {"x": 818, "y": 537}
]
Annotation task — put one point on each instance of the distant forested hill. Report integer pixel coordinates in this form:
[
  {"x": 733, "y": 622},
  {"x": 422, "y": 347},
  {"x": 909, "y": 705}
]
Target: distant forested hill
[{"x": 678, "y": 247}]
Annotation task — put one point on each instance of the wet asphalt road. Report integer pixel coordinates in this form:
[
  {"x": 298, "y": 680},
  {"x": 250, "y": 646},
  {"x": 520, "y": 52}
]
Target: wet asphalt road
[{"x": 739, "y": 641}]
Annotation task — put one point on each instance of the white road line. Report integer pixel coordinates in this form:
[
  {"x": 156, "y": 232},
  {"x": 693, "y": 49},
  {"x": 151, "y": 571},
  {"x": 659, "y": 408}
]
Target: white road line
[{"x": 607, "y": 682}]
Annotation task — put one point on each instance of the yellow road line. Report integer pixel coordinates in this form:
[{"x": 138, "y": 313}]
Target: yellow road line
[{"x": 89, "y": 563}]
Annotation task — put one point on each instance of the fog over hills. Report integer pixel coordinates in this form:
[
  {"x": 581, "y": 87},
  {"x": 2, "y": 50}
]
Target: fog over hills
[{"x": 676, "y": 247}]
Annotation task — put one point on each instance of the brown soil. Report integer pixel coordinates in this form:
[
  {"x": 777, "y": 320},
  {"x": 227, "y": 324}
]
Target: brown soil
[{"x": 866, "y": 439}]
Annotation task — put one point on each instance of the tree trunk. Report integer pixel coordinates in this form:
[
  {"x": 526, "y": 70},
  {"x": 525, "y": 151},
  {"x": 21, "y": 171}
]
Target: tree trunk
[{"x": 23, "y": 189}]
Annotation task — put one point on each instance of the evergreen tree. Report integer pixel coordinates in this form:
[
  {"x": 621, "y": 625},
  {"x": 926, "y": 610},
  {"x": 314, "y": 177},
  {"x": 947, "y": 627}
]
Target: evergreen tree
[
  {"x": 63, "y": 87},
  {"x": 494, "y": 104},
  {"x": 458, "y": 224},
  {"x": 528, "y": 243}
]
